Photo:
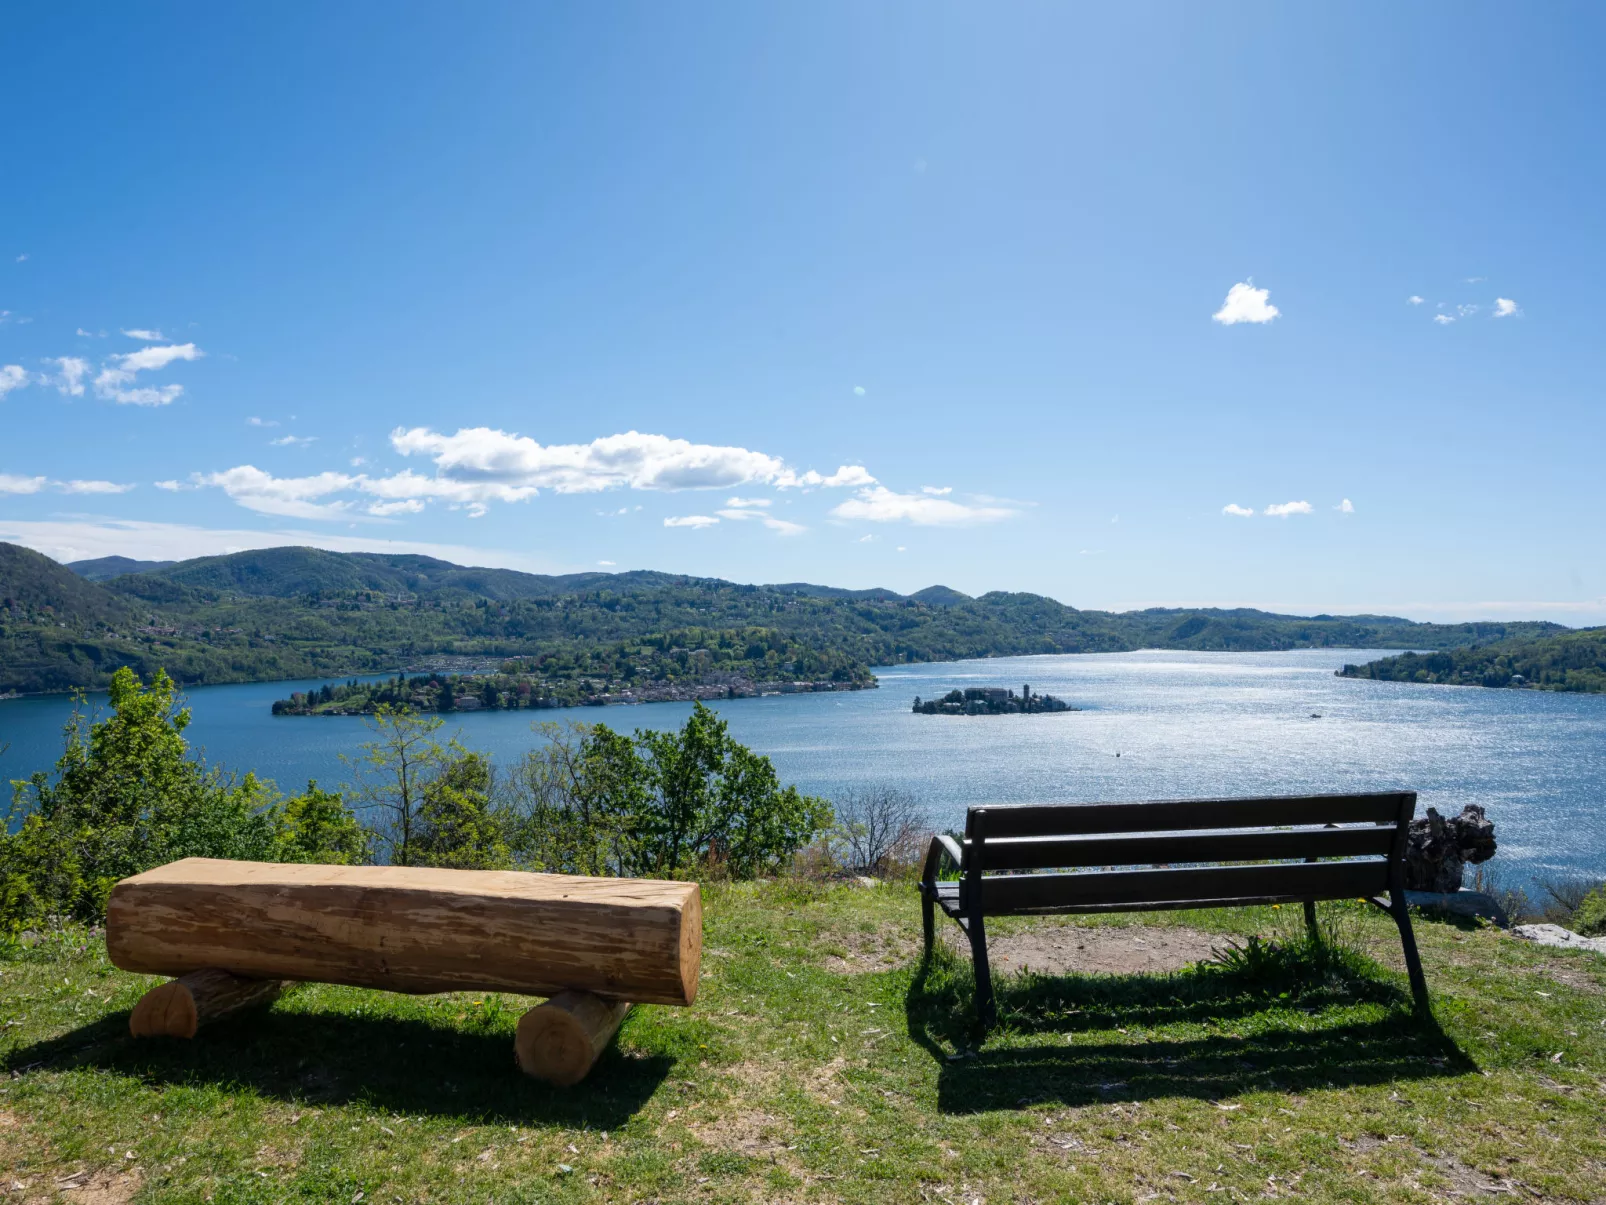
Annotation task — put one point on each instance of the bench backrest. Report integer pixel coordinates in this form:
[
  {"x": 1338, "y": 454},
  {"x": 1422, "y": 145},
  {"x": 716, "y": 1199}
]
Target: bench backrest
[{"x": 1280, "y": 836}]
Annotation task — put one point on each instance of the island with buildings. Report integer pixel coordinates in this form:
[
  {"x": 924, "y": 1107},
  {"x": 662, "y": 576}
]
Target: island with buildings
[{"x": 991, "y": 700}]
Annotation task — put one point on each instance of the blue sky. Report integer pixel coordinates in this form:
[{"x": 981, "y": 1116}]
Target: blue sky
[{"x": 846, "y": 293}]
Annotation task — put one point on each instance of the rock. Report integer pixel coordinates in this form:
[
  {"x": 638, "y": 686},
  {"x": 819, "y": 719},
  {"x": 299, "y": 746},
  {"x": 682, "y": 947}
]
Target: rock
[
  {"x": 1559, "y": 938},
  {"x": 1460, "y": 903},
  {"x": 1437, "y": 850}
]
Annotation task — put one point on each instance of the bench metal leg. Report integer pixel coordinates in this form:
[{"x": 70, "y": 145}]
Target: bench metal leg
[
  {"x": 928, "y": 916},
  {"x": 1310, "y": 921},
  {"x": 1413, "y": 961},
  {"x": 986, "y": 1005}
]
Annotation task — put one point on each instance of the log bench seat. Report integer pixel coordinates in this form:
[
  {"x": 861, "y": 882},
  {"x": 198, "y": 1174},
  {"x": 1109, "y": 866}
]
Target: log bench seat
[
  {"x": 235, "y": 932},
  {"x": 1043, "y": 859}
]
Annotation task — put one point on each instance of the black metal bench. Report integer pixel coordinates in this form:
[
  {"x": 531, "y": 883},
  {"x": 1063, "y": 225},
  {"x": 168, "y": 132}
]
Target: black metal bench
[{"x": 1205, "y": 853}]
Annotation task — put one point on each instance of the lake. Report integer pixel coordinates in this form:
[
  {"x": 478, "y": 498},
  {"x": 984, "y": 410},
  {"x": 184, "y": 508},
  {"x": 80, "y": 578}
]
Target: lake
[{"x": 1155, "y": 725}]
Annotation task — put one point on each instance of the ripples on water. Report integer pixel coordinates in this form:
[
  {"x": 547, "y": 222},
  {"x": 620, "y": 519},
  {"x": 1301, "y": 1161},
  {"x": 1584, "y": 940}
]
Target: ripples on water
[{"x": 1183, "y": 724}]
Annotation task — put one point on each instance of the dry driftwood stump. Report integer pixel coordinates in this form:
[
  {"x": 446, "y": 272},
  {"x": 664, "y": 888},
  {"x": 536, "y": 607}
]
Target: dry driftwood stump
[{"x": 233, "y": 930}]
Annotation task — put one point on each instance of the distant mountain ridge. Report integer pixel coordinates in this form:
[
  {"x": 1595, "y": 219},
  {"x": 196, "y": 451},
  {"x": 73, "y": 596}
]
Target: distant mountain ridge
[
  {"x": 305, "y": 612},
  {"x": 101, "y": 568}
]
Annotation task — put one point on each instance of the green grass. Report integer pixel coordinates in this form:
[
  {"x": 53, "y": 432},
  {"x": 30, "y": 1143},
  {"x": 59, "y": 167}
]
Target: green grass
[{"x": 1296, "y": 1074}]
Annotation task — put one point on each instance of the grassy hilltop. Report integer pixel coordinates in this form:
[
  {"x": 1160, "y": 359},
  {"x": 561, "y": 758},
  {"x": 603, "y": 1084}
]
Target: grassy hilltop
[
  {"x": 303, "y": 612},
  {"x": 821, "y": 1063}
]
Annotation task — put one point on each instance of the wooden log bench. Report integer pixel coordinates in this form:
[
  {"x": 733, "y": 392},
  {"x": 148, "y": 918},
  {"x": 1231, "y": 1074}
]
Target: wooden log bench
[
  {"x": 1041, "y": 859},
  {"x": 235, "y": 932}
]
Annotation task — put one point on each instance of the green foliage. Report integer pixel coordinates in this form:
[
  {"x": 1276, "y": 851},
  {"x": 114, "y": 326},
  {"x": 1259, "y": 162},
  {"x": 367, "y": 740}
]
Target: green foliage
[
  {"x": 1589, "y": 918},
  {"x": 317, "y": 826},
  {"x": 1567, "y": 661},
  {"x": 392, "y": 773},
  {"x": 126, "y": 796},
  {"x": 457, "y": 824}
]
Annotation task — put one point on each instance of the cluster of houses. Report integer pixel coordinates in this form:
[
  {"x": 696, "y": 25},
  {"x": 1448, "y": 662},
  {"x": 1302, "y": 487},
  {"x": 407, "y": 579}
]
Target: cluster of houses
[{"x": 990, "y": 700}]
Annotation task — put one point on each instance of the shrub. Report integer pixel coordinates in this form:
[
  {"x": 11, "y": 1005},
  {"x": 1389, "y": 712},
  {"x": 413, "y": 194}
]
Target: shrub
[
  {"x": 318, "y": 827},
  {"x": 880, "y": 831},
  {"x": 1589, "y": 918}
]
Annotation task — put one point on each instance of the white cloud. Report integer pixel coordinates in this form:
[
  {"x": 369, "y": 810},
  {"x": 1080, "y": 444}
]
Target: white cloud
[
  {"x": 607, "y": 563},
  {"x": 293, "y": 497},
  {"x": 867, "y": 539},
  {"x": 1466, "y": 310},
  {"x": 11, "y": 484},
  {"x": 901, "y": 548},
  {"x": 12, "y": 376},
  {"x": 1245, "y": 303},
  {"x": 1413, "y": 299},
  {"x": 697, "y": 521},
  {"x": 937, "y": 490},
  {"x": 119, "y": 372},
  {"x": 1346, "y": 507},
  {"x": 92, "y": 487},
  {"x": 171, "y": 487},
  {"x": 291, "y": 441},
  {"x": 1232, "y": 508},
  {"x": 406, "y": 506},
  {"x": 147, "y": 336},
  {"x": 254, "y": 421},
  {"x": 849, "y": 476},
  {"x": 1443, "y": 319},
  {"x": 89, "y": 334},
  {"x": 858, "y": 390},
  {"x": 744, "y": 503},
  {"x": 784, "y": 526},
  {"x": 1282, "y": 510},
  {"x": 878, "y": 504},
  {"x": 1504, "y": 307},
  {"x": 70, "y": 379}
]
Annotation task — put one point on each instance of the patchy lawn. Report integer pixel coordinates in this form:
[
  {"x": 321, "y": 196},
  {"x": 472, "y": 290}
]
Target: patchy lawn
[{"x": 822, "y": 1062}]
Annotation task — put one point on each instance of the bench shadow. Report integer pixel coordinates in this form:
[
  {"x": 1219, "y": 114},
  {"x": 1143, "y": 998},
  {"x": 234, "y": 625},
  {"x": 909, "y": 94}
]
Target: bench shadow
[
  {"x": 1290, "y": 1053},
  {"x": 402, "y": 1065}
]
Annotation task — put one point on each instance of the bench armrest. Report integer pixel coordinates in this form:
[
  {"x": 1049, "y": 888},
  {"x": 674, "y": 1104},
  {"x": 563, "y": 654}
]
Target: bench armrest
[{"x": 941, "y": 845}]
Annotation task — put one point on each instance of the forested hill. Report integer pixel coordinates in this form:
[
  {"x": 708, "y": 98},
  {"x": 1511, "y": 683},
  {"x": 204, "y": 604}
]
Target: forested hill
[
  {"x": 1570, "y": 661},
  {"x": 303, "y": 612}
]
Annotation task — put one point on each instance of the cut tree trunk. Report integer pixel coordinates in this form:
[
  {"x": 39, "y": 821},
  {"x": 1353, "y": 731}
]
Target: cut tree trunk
[
  {"x": 412, "y": 929},
  {"x": 179, "y": 1008},
  {"x": 560, "y": 1040}
]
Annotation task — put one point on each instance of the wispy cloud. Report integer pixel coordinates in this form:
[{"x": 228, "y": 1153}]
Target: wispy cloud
[
  {"x": 937, "y": 491},
  {"x": 1504, "y": 307},
  {"x": 12, "y": 376},
  {"x": 93, "y": 487},
  {"x": 1245, "y": 303},
  {"x": 290, "y": 441},
  {"x": 1443, "y": 319},
  {"x": 70, "y": 374},
  {"x": 858, "y": 391},
  {"x": 12, "y": 484},
  {"x": 784, "y": 526},
  {"x": 1346, "y": 507},
  {"x": 1283, "y": 510},
  {"x": 696, "y": 521},
  {"x": 1232, "y": 508},
  {"x": 878, "y": 504},
  {"x": 254, "y": 421},
  {"x": 607, "y": 564},
  {"x": 119, "y": 372},
  {"x": 745, "y": 503},
  {"x": 171, "y": 487},
  {"x": 147, "y": 336},
  {"x": 1413, "y": 299}
]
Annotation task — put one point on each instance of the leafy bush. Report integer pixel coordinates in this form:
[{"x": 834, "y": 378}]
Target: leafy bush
[
  {"x": 1589, "y": 918},
  {"x": 127, "y": 796}
]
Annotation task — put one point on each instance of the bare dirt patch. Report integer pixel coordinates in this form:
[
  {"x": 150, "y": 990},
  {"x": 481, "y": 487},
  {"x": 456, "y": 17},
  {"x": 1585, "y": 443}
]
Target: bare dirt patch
[
  {"x": 884, "y": 949},
  {"x": 99, "y": 1187},
  {"x": 1102, "y": 949},
  {"x": 746, "y": 1132}
]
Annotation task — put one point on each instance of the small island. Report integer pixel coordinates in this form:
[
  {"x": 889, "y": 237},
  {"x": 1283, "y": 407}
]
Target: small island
[{"x": 991, "y": 700}]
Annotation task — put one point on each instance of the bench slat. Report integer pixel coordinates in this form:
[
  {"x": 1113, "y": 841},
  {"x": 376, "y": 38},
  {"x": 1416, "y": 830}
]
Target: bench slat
[
  {"x": 1053, "y": 853},
  {"x": 1074, "y": 819},
  {"x": 1198, "y": 886}
]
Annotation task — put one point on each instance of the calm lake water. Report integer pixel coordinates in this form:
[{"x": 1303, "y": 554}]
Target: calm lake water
[{"x": 1155, "y": 725}]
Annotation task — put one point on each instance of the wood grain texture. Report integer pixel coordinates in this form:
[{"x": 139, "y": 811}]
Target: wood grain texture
[
  {"x": 177, "y": 1009},
  {"x": 412, "y": 929},
  {"x": 560, "y": 1040}
]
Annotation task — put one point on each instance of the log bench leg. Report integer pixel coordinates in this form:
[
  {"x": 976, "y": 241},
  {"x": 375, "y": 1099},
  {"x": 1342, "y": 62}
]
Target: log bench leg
[
  {"x": 178, "y": 1008},
  {"x": 560, "y": 1040}
]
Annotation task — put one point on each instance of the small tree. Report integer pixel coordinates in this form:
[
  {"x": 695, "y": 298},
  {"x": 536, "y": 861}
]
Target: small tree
[
  {"x": 878, "y": 830},
  {"x": 392, "y": 772},
  {"x": 579, "y": 800},
  {"x": 457, "y": 824},
  {"x": 317, "y": 826}
]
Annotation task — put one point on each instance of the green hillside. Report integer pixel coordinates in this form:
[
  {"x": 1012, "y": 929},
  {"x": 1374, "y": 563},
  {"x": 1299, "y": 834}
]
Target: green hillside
[
  {"x": 303, "y": 612},
  {"x": 1570, "y": 661}
]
